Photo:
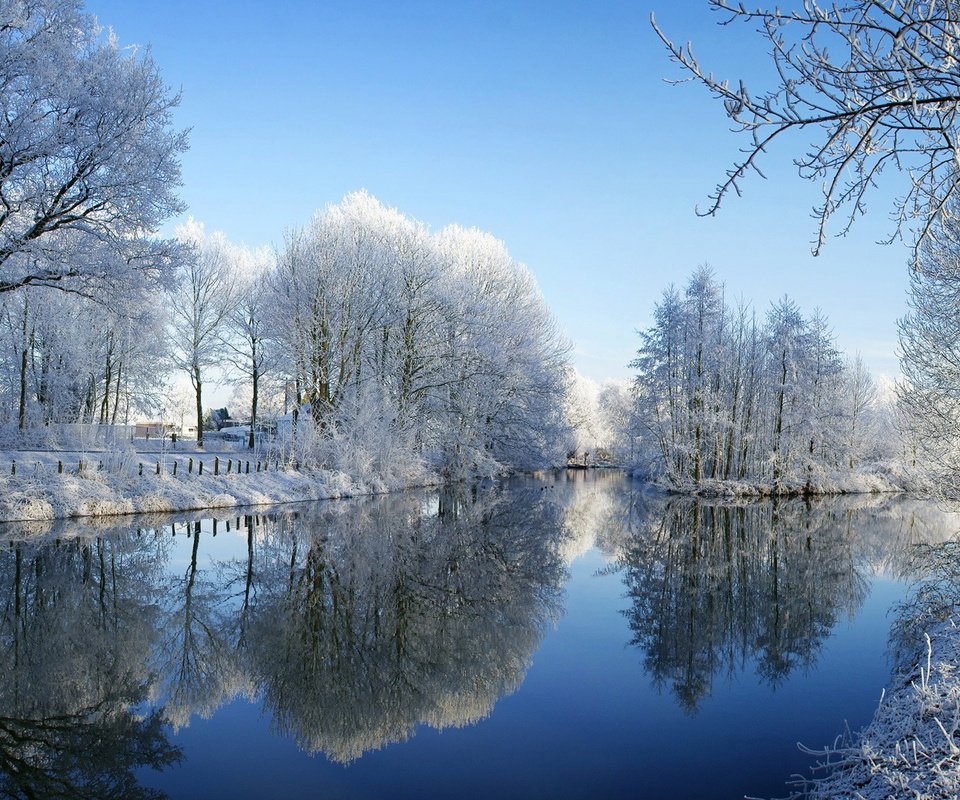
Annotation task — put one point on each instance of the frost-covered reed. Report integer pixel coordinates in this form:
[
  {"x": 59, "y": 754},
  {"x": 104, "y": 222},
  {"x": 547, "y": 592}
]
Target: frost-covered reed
[{"x": 911, "y": 748}]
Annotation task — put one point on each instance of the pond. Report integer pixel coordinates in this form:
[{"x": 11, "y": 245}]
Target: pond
[{"x": 567, "y": 636}]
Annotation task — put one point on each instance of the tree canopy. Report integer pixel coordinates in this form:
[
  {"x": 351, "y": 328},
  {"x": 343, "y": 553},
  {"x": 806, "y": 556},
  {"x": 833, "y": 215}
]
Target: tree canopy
[{"x": 89, "y": 157}]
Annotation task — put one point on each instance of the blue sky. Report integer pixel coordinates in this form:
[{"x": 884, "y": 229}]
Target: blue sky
[{"x": 548, "y": 124}]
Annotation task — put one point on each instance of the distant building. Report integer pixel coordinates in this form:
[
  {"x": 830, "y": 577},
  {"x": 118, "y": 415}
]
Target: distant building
[
  {"x": 220, "y": 418},
  {"x": 149, "y": 430}
]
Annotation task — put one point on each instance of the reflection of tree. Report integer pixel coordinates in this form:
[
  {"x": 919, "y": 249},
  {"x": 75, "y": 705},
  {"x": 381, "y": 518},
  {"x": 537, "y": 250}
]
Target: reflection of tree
[
  {"x": 356, "y": 621},
  {"x": 76, "y": 627},
  {"x": 197, "y": 667},
  {"x": 594, "y": 509},
  {"x": 713, "y": 586},
  {"x": 83, "y": 752},
  {"x": 387, "y": 617}
]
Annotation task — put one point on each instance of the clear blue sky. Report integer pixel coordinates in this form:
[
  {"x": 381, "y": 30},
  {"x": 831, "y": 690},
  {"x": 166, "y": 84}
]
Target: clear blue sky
[{"x": 548, "y": 124}]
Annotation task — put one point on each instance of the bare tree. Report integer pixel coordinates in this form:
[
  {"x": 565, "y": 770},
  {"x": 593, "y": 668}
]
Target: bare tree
[
  {"x": 246, "y": 344},
  {"x": 200, "y": 306},
  {"x": 860, "y": 392},
  {"x": 879, "y": 82}
]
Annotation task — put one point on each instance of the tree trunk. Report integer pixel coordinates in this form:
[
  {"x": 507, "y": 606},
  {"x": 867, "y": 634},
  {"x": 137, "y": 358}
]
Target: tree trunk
[
  {"x": 22, "y": 413},
  {"x": 116, "y": 396},
  {"x": 197, "y": 385},
  {"x": 778, "y": 426},
  {"x": 108, "y": 380},
  {"x": 253, "y": 406}
]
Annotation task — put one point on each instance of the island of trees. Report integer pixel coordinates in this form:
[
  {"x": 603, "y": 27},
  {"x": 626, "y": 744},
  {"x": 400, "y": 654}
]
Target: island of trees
[{"x": 874, "y": 84}]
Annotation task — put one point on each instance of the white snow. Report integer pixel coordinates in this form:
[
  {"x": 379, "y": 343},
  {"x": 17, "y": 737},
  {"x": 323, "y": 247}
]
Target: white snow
[
  {"x": 38, "y": 491},
  {"x": 869, "y": 479},
  {"x": 911, "y": 749}
]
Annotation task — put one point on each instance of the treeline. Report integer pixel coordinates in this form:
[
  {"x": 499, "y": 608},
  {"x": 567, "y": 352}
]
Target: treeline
[
  {"x": 722, "y": 395},
  {"x": 393, "y": 347},
  {"x": 68, "y": 357}
]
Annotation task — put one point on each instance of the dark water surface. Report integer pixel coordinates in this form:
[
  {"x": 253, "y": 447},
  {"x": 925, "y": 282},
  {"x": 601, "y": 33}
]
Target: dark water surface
[{"x": 569, "y": 637}]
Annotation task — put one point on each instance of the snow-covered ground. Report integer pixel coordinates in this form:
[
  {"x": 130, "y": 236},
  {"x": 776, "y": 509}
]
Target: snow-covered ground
[
  {"x": 158, "y": 477},
  {"x": 911, "y": 749}
]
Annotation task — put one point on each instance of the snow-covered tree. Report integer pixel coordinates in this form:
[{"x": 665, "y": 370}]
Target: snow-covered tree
[
  {"x": 89, "y": 158},
  {"x": 330, "y": 297},
  {"x": 200, "y": 304},
  {"x": 929, "y": 394},
  {"x": 246, "y": 342},
  {"x": 503, "y": 402},
  {"x": 601, "y": 417},
  {"x": 68, "y": 358},
  {"x": 859, "y": 390},
  {"x": 721, "y": 396},
  {"x": 415, "y": 347},
  {"x": 617, "y": 411}
]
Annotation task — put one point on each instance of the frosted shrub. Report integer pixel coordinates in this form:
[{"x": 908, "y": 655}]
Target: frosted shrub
[
  {"x": 121, "y": 459},
  {"x": 360, "y": 442},
  {"x": 301, "y": 446},
  {"x": 26, "y": 507}
]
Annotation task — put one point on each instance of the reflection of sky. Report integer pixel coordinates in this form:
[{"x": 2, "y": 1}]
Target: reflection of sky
[
  {"x": 585, "y": 716},
  {"x": 587, "y": 708},
  {"x": 225, "y": 545},
  {"x": 586, "y": 720}
]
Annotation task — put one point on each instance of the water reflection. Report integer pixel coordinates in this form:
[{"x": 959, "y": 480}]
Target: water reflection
[
  {"x": 77, "y": 628},
  {"x": 353, "y": 623},
  {"x": 716, "y": 586},
  {"x": 390, "y": 618}
]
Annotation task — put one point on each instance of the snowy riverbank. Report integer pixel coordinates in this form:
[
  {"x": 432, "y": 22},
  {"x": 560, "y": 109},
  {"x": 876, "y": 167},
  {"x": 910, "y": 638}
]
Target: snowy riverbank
[
  {"x": 911, "y": 748},
  {"x": 46, "y": 494},
  {"x": 874, "y": 480}
]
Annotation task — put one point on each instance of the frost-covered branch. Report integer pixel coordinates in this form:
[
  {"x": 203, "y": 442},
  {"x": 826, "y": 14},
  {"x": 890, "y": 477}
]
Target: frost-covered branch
[{"x": 877, "y": 84}]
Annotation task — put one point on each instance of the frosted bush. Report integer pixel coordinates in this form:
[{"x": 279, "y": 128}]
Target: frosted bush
[
  {"x": 24, "y": 507},
  {"x": 104, "y": 507}
]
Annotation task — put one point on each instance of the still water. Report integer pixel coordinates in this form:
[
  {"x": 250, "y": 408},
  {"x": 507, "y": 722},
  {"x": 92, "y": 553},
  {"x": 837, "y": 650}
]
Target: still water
[{"x": 572, "y": 636}]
